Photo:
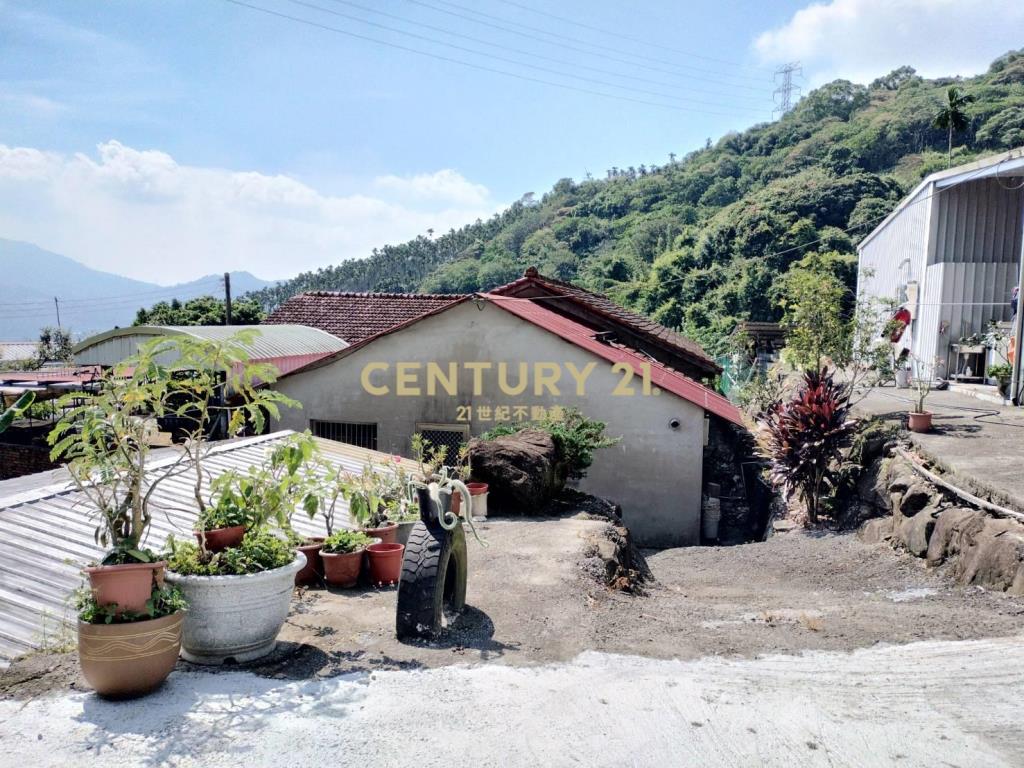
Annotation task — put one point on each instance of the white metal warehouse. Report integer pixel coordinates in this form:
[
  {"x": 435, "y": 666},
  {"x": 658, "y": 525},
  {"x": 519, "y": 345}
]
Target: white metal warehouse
[{"x": 950, "y": 254}]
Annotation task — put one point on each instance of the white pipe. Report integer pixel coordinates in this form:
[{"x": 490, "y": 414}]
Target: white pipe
[{"x": 959, "y": 492}]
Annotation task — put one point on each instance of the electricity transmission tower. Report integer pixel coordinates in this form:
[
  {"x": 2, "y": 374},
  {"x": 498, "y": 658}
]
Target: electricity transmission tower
[{"x": 783, "y": 95}]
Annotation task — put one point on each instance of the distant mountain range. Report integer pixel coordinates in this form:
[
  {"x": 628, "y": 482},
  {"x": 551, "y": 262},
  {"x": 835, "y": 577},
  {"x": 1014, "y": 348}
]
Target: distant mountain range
[{"x": 90, "y": 300}]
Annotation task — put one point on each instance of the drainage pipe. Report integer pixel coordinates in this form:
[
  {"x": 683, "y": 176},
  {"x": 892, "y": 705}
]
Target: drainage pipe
[{"x": 988, "y": 506}]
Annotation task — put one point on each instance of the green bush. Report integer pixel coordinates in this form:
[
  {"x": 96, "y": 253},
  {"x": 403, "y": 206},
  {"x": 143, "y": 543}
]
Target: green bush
[
  {"x": 259, "y": 551},
  {"x": 226, "y": 514},
  {"x": 576, "y": 437},
  {"x": 343, "y": 542},
  {"x": 163, "y": 602}
]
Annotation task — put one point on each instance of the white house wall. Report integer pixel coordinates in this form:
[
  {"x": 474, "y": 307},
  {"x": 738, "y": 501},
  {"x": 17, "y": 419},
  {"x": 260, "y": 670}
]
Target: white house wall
[
  {"x": 979, "y": 222},
  {"x": 654, "y": 472}
]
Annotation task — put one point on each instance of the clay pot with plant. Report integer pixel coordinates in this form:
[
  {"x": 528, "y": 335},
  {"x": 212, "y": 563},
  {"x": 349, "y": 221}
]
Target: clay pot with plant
[
  {"x": 374, "y": 502},
  {"x": 920, "y": 420},
  {"x": 103, "y": 437},
  {"x": 342, "y": 553},
  {"x": 128, "y": 653},
  {"x": 1002, "y": 374}
]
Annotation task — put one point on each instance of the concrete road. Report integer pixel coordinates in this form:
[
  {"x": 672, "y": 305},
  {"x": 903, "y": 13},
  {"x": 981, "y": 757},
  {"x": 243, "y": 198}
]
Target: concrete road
[
  {"x": 922, "y": 704},
  {"x": 980, "y": 444}
]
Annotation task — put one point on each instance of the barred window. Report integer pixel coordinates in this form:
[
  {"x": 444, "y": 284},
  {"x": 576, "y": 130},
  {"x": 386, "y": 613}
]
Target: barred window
[
  {"x": 353, "y": 433},
  {"x": 453, "y": 436}
]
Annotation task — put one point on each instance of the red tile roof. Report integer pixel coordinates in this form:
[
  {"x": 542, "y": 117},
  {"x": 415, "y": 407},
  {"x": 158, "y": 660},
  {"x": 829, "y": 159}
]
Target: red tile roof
[
  {"x": 355, "y": 317},
  {"x": 587, "y": 338},
  {"x": 644, "y": 326}
]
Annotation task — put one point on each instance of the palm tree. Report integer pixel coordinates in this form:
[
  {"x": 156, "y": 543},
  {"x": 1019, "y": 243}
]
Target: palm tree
[{"x": 953, "y": 116}]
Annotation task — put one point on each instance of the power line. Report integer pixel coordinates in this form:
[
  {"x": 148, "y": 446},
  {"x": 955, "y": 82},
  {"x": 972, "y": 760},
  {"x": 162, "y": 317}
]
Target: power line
[
  {"x": 472, "y": 65},
  {"x": 535, "y": 55},
  {"x": 613, "y": 33},
  {"x": 89, "y": 299},
  {"x": 514, "y": 62},
  {"x": 602, "y": 51}
]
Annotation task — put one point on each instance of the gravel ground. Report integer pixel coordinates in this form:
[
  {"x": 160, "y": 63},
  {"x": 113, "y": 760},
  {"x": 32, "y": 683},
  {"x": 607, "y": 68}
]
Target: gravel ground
[
  {"x": 533, "y": 599},
  {"x": 922, "y": 704}
]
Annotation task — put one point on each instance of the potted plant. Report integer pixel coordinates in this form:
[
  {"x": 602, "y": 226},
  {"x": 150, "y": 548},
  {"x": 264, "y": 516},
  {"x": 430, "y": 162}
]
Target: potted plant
[
  {"x": 238, "y": 598},
  {"x": 920, "y": 420},
  {"x": 1002, "y": 374},
  {"x": 372, "y": 503},
  {"x": 128, "y": 653},
  {"x": 104, "y": 438},
  {"x": 223, "y": 524},
  {"x": 342, "y": 553}
]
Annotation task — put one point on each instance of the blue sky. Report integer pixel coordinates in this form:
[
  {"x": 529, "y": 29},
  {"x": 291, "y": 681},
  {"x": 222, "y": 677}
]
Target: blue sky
[{"x": 172, "y": 139}]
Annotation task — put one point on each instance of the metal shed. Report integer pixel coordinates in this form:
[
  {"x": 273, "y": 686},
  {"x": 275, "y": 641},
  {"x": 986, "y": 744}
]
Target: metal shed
[
  {"x": 288, "y": 347},
  {"x": 46, "y": 533},
  {"x": 950, "y": 253}
]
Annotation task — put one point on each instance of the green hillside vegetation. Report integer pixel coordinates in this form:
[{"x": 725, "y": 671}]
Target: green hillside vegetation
[{"x": 703, "y": 241}]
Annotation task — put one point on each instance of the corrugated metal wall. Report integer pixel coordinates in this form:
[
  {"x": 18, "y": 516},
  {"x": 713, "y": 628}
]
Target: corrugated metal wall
[
  {"x": 979, "y": 222},
  {"x": 896, "y": 254}
]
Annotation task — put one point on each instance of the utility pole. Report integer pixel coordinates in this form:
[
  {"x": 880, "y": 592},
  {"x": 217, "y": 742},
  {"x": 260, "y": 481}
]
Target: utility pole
[
  {"x": 783, "y": 95},
  {"x": 227, "y": 298},
  {"x": 57, "y": 305}
]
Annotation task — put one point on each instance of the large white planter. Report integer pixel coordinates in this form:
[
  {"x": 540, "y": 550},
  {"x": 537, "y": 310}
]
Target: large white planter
[{"x": 235, "y": 617}]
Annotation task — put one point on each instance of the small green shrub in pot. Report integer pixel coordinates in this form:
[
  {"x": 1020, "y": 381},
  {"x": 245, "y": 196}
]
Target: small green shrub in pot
[
  {"x": 259, "y": 551},
  {"x": 345, "y": 542}
]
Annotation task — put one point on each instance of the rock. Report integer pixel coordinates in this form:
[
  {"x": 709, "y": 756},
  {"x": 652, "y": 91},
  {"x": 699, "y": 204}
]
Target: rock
[
  {"x": 917, "y": 497},
  {"x": 955, "y": 530},
  {"x": 875, "y": 531},
  {"x": 916, "y": 531},
  {"x": 995, "y": 559},
  {"x": 784, "y": 525},
  {"x": 523, "y": 471}
]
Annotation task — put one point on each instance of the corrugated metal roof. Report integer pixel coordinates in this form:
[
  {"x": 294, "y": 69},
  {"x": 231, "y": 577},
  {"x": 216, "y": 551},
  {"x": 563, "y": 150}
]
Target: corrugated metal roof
[
  {"x": 661, "y": 376},
  {"x": 46, "y": 535},
  {"x": 271, "y": 341}
]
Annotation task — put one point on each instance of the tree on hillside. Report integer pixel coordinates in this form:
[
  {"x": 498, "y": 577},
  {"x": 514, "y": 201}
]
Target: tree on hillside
[
  {"x": 204, "y": 310},
  {"x": 812, "y": 301},
  {"x": 953, "y": 117}
]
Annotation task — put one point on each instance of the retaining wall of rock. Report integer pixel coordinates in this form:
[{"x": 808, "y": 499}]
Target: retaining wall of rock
[{"x": 931, "y": 523}]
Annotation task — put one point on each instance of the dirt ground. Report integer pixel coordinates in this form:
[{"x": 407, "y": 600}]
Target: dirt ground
[{"x": 533, "y": 598}]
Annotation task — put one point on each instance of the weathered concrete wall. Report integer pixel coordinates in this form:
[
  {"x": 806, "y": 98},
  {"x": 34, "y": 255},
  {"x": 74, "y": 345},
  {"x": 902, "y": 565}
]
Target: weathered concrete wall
[
  {"x": 654, "y": 473},
  {"x": 927, "y": 522}
]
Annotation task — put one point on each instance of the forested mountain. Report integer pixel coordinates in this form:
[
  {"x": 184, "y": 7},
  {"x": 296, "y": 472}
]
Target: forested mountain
[{"x": 701, "y": 241}]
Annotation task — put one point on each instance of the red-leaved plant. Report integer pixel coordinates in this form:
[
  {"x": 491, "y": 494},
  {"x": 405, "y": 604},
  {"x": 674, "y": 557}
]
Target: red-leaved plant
[{"x": 805, "y": 435}]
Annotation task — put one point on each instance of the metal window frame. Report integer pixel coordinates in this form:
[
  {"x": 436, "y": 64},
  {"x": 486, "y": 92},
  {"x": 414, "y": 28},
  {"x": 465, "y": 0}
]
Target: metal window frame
[{"x": 350, "y": 429}]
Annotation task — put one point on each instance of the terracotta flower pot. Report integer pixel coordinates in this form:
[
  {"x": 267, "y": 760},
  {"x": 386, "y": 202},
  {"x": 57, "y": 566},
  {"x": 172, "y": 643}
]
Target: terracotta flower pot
[
  {"x": 920, "y": 422},
  {"x": 386, "y": 533},
  {"x": 313, "y": 571},
  {"x": 219, "y": 539},
  {"x": 342, "y": 569},
  {"x": 121, "y": 660},
  {"x": 127, "y": 586},
  {"x": 385, "y": 563}
]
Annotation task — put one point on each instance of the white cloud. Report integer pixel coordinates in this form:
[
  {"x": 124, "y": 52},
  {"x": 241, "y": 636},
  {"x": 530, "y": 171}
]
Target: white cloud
[
  {"x": 443, "y": 185},
  {"x": 142, "y": 214},
  {"x": 862, "y": 39}
]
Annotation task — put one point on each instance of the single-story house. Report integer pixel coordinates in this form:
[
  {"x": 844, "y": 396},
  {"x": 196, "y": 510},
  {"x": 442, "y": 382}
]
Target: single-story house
[
  {"x": 460, "y": 368},
  {"x": 287, "y": 347},
  {"x": 949, "y": 257}
]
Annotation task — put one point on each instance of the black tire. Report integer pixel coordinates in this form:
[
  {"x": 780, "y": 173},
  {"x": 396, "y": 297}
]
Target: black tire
[{"x": 433, "y": 580}]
